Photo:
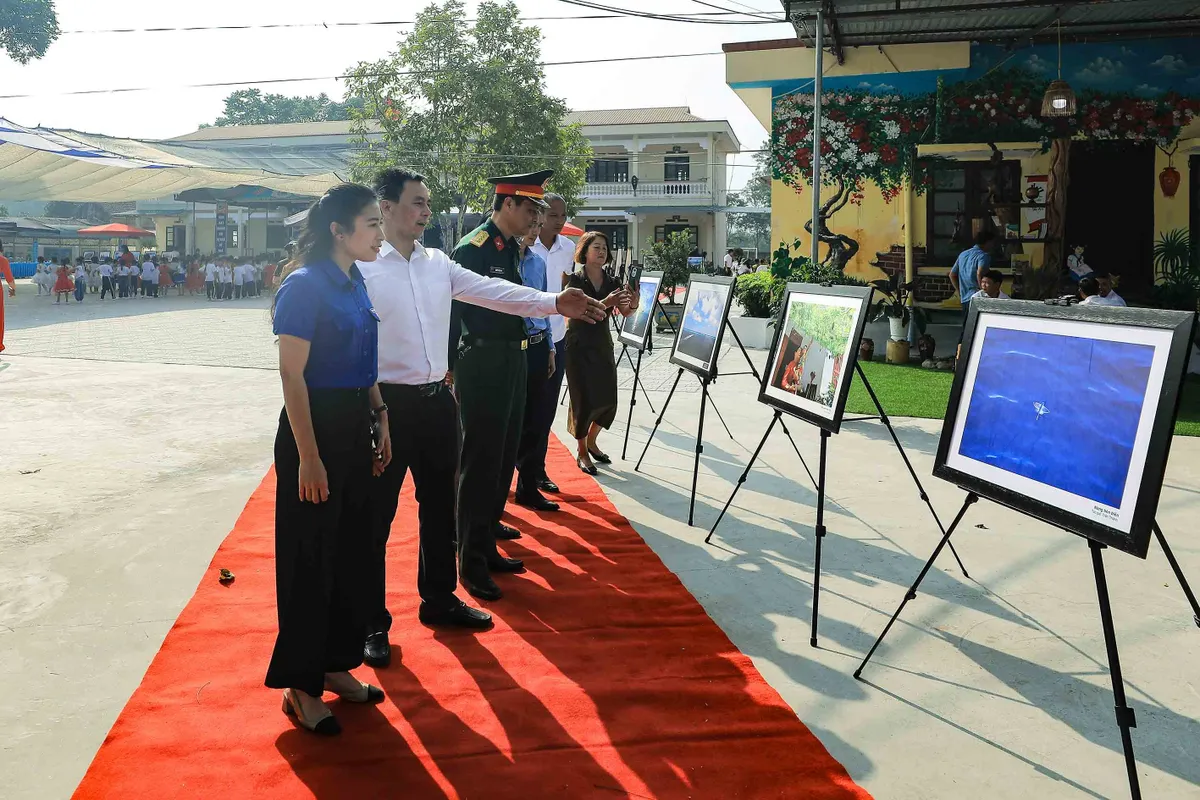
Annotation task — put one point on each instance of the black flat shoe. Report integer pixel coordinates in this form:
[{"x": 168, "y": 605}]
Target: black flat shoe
[
  {"x": 484, "y": 587},
  {"x": 547, "y": 485},
  {"x": 377, "y": 652},
  {"x": 507, "y": 532},
  {"x": 327, "y": 725},
  {"x": 500, "y": 564},
  {"x": 598, "y": 456},
  {"x": 536, "y": 502},
  {"x": 457, "y": 615},
  {"x": 590, "y": 469}
]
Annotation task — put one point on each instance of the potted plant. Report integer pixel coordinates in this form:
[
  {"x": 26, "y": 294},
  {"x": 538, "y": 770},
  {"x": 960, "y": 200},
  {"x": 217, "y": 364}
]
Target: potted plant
[
  {"x": 753, "y": 292},
  {"x": 893, "y": 306},
  {"x": 670, "y": 257}
]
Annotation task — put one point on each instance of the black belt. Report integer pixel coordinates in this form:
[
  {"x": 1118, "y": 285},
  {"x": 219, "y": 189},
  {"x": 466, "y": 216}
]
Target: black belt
[
  {"x": 420, "y": 389},
  {"x": 506, "y": 344},
  {"x": 538, "y": 338}
]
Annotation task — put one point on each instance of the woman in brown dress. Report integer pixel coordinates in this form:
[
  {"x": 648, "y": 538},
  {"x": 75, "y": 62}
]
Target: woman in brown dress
[{"x": 591, "y": 369}]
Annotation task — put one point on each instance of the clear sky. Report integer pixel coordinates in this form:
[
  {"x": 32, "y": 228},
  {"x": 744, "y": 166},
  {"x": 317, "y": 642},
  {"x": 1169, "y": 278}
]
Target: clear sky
[{"x": 169, "y": 61}]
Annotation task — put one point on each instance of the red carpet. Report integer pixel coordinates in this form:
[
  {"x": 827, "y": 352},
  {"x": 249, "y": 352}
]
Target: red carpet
[{"x": 603, "y": 678}]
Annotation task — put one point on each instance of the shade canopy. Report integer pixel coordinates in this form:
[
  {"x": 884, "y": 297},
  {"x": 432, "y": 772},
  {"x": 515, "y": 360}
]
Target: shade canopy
[
  {"x": 45, "y": 164},
  {"x": 571, "y": 230},
  {"x": 117, "y": 230}
]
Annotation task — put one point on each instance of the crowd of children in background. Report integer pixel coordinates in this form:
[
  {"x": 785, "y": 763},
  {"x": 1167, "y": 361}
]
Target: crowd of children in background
[{"x": 128, "y": 276}]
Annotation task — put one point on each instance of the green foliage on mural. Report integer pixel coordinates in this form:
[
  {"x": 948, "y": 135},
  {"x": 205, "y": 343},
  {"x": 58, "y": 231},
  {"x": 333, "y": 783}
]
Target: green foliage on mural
[{"x": 829, "y": 326}]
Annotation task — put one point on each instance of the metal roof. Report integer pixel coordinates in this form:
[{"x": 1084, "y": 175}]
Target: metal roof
[
  {"x": 855, "y": 23},
  {"x": 633, "y": 116},
  {"x": 225, "y": 133}
]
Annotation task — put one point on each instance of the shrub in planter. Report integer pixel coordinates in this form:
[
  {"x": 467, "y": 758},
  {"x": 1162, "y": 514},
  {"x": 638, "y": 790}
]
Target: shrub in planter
[{"x": 754, "y": 292}]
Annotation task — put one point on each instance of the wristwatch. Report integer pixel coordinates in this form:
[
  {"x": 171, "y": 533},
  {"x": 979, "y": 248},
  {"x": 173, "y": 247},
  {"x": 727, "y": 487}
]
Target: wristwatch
[{"x": 379, "y": 410}]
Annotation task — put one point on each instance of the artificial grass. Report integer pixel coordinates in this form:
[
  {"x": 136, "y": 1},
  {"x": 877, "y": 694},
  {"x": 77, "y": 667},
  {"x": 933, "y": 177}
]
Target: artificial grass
[{"x": 910, "y": 391}]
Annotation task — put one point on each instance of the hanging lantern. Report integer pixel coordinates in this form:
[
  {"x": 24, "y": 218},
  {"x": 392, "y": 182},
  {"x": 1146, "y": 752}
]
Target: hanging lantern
[{"x": 1059, "y": 100}]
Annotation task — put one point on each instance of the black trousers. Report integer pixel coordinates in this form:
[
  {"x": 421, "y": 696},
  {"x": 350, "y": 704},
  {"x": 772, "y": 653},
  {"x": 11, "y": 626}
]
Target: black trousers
[
  {"x": 237, "y": 291},
  {"x": 424, "y": 429},
  {"x": 228, "y": 291},
  {"x": 208, "y": 288},
  {"x": 323, "y": 550},
  {"x": 490, "y": 382},
  {"x": 106, "y": 287},
  {"x": 539, "y": 416}
]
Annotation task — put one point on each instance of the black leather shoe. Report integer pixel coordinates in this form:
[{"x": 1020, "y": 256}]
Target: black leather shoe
[
  {"x": 507, "y": 531},
  {"x": 457, "y": 615},
  {"x": 483, "y": 587},
  {"x": 547, "y": 485},
  {"x": 535, "y": 501},
  {"x": 501, "y": 564},
  {"x": 377, "y": 652},
  {"x": 599, "y": 456}
]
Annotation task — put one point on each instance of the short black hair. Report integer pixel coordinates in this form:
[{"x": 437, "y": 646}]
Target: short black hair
[
  {"x": 1088, "y": 286},
  {"x": 994, "y": 275},
  {"x": 389, "y": 183},
  {"x": 985, "y": 236}
]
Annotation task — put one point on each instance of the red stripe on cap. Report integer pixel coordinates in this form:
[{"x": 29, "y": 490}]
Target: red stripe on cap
[{"x": 521, "y": 189}]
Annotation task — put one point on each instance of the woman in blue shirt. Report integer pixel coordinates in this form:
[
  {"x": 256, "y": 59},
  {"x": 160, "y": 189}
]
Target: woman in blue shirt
[{"x": 325, "y": 457}]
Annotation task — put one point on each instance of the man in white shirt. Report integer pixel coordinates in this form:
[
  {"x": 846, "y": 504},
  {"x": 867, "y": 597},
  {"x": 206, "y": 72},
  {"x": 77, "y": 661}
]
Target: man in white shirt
[
  {"x": 728, "y": 262},
  {"x": 559, "y": 254},
  {"x": 149, "y": 278},
  {"x": 106, "y": 280},
  {"x": 210, "y": 279},
  {"x": 1089, "y": 291},
  {"x": 411, "y": 288},
  {"x": 226, "y": 280},
  {"x": 239, "y": 280},
  {"x": 1107, "y": 296},
  {"x": 989, "y": 285}
]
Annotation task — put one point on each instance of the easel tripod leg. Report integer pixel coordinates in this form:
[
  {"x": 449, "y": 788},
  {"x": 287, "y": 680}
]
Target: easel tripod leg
[
  {"x": 912, "y": 592},
  {"x": 1125, "y": 715},
  {"x": 1187, "y": 589},
  {"x": 883, "y": 417},
  {"x": 632, "y": 403},
  {"x": 742, "y": 479},
  {"x": 803, "y": 463},
  {"x": 820, "y": 529},
  {"x": 659, "y": 420},
  {"x": 699, "y": 450}
]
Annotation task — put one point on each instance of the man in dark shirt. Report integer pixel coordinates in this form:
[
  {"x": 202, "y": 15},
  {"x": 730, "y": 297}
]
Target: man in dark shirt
[{"x": 489, "y": 366}]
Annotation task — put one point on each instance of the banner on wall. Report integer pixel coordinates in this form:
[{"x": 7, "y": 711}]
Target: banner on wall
[{"x": 221, "y": 236}]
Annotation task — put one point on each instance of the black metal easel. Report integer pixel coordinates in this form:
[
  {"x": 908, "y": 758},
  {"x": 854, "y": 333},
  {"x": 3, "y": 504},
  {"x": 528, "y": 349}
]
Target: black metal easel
[
  {"x": 820, "y": 485},
  {"x": 1125, "y": 715},
  {"x": 704, "y": 400}
]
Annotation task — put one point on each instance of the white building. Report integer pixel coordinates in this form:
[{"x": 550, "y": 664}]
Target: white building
[{"x": 656, "y": 171}]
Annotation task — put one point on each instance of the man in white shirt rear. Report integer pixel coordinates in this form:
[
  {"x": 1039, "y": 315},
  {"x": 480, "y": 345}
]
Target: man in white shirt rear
[
  {"x": 149, "y": 278},
  {"x": 239, "y": 280},
  {"x": 559, "y": 254},
  {"x": 1107, "y": 296},
  {"x": 210, "y": 279},
  {"x": 411, "y": 288},
  {"x": 1089, "y": 291},
  {"x": 106, "y": 280}
]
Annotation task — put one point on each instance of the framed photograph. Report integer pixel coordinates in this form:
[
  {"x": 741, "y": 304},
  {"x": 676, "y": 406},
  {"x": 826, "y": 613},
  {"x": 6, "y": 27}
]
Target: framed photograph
[
  {"x": 815, "y": 352},
  {"x": 635, "y": 330},
  {"x": 1066, "y": 413},
  {"x": 702, "y": 323}
]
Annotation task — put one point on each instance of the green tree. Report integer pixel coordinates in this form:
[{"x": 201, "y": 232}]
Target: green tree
[
  {"x": 27, "y": 28},
  {"x": 827, "y": 325},
  {"x": 3, "y": 211},
  {"x": 753, "y": 230},
  {"x": 96, "y": 213},
  {"x": 670, "y": 256},
  {"x": 459, "y": 102},
  {"x": 252, "y": 107}
]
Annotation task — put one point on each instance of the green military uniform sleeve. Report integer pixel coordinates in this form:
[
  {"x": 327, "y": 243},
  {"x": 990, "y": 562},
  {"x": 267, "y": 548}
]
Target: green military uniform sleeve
[{"x": 468, "y": 253}]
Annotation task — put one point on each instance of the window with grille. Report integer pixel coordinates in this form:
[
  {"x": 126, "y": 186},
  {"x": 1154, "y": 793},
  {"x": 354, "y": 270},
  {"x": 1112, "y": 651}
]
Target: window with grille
[
  {"x": 959, "y": 193},
  {"x": 608, "y": 170}
]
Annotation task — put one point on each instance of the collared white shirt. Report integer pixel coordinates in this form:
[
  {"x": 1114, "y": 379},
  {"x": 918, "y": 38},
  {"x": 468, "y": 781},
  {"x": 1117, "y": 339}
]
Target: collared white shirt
[
  {"x": 150, "y": 272},
  {"x": 239, "y": 275},
  {"x": 559, "y": 258},
  {"x": 982, "y": 293},
  {"x": 412, "y": 298},
  {"x": 1113, "y": 299},
  {"x": 210, "y": 272},
  {"x": 106, "y": 270},
  {"x": 1092, "y": 300}
]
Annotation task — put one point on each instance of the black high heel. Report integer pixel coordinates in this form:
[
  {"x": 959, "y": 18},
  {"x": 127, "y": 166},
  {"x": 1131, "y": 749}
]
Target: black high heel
[
  {"x": 590, "y": 469},
  {"x": 366, "y": 693},
  {"x": 601, "y": 457},
  {"x": 327, "y": 725}
]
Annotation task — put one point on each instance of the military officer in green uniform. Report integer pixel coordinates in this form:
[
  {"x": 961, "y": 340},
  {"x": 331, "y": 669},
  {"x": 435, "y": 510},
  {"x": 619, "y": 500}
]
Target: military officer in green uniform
[{"x": 488, "y": 362}]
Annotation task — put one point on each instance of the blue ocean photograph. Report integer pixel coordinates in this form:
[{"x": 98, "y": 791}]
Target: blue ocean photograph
[
  {"x": 701, "y": 322},
  {"x": 1060, "y": 410}
]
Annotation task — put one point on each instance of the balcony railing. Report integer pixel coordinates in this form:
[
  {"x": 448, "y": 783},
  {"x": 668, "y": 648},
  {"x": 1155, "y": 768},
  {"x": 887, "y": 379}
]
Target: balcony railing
[{"x": 648, "y": 189}]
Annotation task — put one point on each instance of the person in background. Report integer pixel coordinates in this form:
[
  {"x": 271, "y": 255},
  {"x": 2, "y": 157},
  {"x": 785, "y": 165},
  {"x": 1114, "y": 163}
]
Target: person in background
[
  {"x": 1089, "y": 291},
  {"x": 539, "y": 369},
  {"x": 226, "y": 279},
  {"x": 39, "y": 277},
  {"x": 967, "y": 272},
  {"x": 210, "y": 279},
  {"x": 239, "y": 280},
  {"x": 1108, "y": 296},
  {"x": 7, "y": 276},
  {"x": 269, "y": 276},
  {"x": 62, "y": 282},
  {"x": 165, "y": 279},
  {"x": 591, "y": 368},
  {"x": 559, "y": 254},
  {"x": 80, "y": 280},
  {"x": 106, "y": 280},
  {"x": 727, "y": 262},
  {"x": 149, "y": 278},
  {"x": 989, "y": 285},
  {"x": 325, "y": 458}
]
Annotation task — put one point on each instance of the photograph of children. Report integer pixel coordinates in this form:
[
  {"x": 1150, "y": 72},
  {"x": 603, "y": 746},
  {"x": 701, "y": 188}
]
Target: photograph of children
[
  {"x": 808, "y": 367},
  {"x": 704, "y": 311},
  {"x": 1060, "y": 411},
  {"x": 634, "y": 330}
]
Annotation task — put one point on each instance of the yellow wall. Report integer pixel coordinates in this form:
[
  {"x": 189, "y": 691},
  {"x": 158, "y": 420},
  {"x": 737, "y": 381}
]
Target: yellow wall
[{"x": 254, "y": 234}]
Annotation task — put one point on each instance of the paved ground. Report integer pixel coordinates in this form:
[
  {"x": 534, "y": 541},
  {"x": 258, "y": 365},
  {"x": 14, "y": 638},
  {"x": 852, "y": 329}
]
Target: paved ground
[{"x": 120, "y": 475}]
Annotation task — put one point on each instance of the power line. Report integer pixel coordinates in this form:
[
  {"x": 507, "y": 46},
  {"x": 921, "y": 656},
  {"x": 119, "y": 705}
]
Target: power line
[
  {"x": 268, "y": 81},
  {"x": 670, "y": 17},
  {"x": 753, "y": 12},
  {"x": 699, "y": 16}
]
